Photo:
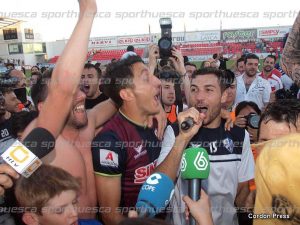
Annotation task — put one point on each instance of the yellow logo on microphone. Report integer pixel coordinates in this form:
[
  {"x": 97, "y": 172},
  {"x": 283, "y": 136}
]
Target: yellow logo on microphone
[
  {"x": 21, "y": 159},
  {"x": 19, "y": 154}
]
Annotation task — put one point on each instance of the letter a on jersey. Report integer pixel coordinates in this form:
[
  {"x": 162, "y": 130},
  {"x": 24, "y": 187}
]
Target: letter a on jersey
[{"x": 109, "y": 156}]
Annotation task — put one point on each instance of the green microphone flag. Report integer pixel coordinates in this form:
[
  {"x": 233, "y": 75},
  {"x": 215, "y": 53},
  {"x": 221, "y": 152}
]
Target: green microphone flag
[{"x": 195, "y": 164}]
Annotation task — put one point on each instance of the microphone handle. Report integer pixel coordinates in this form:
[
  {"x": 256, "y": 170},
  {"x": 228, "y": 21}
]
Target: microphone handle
[{"x": 194, "y": 193}]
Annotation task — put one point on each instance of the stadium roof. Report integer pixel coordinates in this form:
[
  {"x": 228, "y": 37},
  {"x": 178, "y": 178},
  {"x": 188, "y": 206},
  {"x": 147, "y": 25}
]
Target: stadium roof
[{"x": 5, "y": 22}]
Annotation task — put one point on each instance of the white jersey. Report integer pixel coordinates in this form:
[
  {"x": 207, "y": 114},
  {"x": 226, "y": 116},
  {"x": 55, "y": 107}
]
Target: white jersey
[
  {"x": 231, "y": 162},
  {"x": 274, "y": 81},
  {"x": 259, "y": 91}
]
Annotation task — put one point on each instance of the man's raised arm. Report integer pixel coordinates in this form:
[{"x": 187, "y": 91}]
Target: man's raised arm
[{"x": 67, "y": 72}]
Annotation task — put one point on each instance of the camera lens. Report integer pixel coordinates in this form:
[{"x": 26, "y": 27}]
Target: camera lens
[
  {"x": 165, "y": 44},
  {"x": 254, "y": 121}
]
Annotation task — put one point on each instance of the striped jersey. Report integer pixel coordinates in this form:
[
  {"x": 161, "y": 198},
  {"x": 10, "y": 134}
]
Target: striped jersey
[
  {"x": 125, "y": 149},
  {"x": 231, "y": 162},
  {"x": 274, "y": 81}
]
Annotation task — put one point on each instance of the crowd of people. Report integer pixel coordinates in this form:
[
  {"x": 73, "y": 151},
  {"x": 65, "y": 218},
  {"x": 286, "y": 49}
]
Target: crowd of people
[{"x": 114, "y": 127}]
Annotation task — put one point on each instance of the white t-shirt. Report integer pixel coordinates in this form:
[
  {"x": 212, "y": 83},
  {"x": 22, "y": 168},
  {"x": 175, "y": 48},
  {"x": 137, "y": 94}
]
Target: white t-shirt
[
  {"x": 231, "y": 162},
  {"x": 259, "y": 91}
]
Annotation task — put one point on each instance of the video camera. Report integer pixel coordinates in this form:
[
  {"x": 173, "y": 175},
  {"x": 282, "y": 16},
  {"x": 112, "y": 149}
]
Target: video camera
[{"x": 165, "y": 42}]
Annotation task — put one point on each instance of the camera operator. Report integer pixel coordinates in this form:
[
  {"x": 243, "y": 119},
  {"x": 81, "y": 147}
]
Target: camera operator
[
  {"x": 247, "y": 116},
  {"x": 177, "y": 62}
]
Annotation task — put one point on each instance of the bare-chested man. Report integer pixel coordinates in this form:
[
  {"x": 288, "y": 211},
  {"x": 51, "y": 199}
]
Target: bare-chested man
[{"x": 72, "y": 150}]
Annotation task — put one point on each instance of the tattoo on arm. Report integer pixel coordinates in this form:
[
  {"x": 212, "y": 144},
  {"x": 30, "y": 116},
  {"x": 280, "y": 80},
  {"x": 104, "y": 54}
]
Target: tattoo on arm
[{"x": 290, "y": 61}]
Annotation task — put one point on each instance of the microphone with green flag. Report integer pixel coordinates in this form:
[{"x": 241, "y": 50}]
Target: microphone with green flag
[{"x": 195, "y": 166}]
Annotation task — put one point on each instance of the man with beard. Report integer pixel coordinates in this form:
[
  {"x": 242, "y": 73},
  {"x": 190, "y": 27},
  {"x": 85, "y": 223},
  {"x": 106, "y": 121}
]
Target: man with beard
[
  {"x": 90, "y": 81},
  {"x": 231, "y": 159},
  {"x": 72, "y": 148},
  {"x": 267, "y": 73},
  {"x": 251, "y": 87}
]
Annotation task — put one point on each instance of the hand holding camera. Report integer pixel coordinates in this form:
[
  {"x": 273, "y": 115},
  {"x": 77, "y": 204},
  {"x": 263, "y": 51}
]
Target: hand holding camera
[
  {"x": 251, "y": 120},
  {"x": 178, "y": 61}
]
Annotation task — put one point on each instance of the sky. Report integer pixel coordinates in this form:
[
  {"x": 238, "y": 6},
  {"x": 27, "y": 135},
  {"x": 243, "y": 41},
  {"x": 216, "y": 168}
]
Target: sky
[{"x": 55, "y": 19}]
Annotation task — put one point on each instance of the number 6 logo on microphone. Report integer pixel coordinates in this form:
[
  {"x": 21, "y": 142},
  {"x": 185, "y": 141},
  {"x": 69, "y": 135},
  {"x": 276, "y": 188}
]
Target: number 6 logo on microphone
[{"x": 201, "y": 162}]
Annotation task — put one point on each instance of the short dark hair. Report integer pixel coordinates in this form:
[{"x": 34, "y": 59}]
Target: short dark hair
[
  {"x": 244, "y": 104},
  {"x": 190, "y": 64},
  {"x": 130, "y": 48},
  {"x": 229, "y": 76},
  {"x": 6, "y": 90},
  {"x": 215, "y": 55},
  {"x": 250, "y": 56},
  {"x": 35, "y": 67},
  {"x": 242, "y": 59},
  {"x": 272, "y": 57},
  {"x": 284, "y": 110},
  {"x": 39, "y": 91},
  {"x": 168, "y": 74},
  {"x": 119, "y": 76},
  {"x": 21, "y": 120},
  {"x": 90, "y": 65},
  {"x": 39, "y": 74},
  {"x": 43, "y": 69},
  {"x": 97, "y": 65},
  {"x": 220, "y": 74}
]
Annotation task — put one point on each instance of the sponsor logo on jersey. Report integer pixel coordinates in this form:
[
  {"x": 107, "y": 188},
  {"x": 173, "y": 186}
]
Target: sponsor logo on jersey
[
  {"x": 228, "y": 144},
  {"x": 109, "y": 158},
  {"x": 140, "y": 152},
  {"x": 142, "y": 173}
]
